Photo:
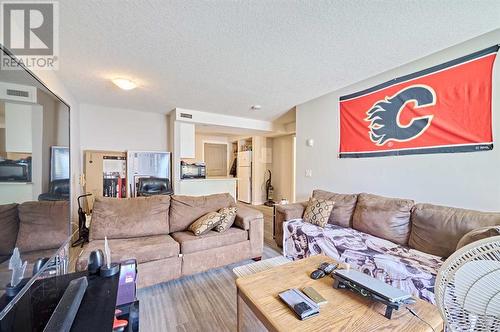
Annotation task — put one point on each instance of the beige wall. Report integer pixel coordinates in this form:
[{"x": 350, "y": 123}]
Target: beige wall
[
  {"x": 283, "y": 167},
  {"x": 468, "y": 180},
  {"x": 201, "y": 139}
]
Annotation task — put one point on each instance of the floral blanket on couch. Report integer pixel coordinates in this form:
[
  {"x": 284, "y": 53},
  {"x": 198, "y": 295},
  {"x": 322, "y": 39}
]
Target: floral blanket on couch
[{"x": 404, "y": 268}]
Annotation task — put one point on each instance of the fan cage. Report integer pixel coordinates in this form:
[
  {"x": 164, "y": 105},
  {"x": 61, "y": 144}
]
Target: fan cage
[{"x": 456, "y": 317}]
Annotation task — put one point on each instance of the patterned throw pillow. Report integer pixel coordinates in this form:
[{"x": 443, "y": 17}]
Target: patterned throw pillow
[
  {"x": 318, "y": 211},
  {"x": 228, "y": 216},
  {"x": 205, "y": 223}
]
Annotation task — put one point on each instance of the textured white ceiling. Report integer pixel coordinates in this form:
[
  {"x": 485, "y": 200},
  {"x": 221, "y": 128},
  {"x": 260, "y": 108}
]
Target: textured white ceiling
[{"x": 224, "y": 56}]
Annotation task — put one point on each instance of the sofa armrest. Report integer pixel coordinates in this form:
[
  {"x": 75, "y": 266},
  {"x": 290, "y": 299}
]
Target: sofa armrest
[
  {"x": 291, "y": 211},
  {"x": 478, "y": 234},
  {"x": 244, "y": 215},
  {"x": 285, "y": 213}
]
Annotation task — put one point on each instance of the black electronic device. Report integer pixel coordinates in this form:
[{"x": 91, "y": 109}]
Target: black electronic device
[
  {"x": 15, "y": 170},
  {"x": 372, "y": 288},
  {"x": 301, "y": 308},
  {"x": 323, "y": 270},
  {"x": 11, "y": 291},
  {"x": 109, "y": 270},
  {"x": 83, "y": 231},
  {"x": 193, "y": 171},
  {"x": 96, "y": 261},
  {"x": 39, "y": 263},
  {"x": 301, "y": 305}
]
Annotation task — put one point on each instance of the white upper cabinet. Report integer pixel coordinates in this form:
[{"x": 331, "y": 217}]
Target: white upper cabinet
[
  {"x": 187, "y": 140},
  {"x": 18, "y": 128}
]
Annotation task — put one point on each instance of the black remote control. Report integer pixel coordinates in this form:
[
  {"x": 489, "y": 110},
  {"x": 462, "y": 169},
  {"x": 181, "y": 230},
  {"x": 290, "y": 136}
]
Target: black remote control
[
  {"x": 323, "y": 270},
  {"x": 300, "y": 308}
]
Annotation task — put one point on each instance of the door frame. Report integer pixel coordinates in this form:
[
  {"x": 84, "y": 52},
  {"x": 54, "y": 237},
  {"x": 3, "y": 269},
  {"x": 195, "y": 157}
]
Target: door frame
[{"x": 228, "y": 152}]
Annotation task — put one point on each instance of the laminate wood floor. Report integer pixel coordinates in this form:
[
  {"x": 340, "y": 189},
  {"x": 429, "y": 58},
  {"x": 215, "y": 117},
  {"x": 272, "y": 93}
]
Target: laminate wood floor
[{"x": 202, "y": 302}]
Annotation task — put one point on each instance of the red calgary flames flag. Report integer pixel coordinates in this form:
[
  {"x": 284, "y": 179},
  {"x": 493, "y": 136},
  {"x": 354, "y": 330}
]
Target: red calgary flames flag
[{"x": 445, "y": 108}]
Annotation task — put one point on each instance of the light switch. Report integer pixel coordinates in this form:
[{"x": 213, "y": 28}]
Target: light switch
[{"x": 309, "y": 173}]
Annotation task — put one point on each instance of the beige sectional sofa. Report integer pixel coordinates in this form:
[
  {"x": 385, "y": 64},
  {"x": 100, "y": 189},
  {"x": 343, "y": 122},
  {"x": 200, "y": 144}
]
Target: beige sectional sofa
[
  {"x": 153, "y": 230},
  {"x": 430, "y": 228},
  {"x": 392, "y": 239}
]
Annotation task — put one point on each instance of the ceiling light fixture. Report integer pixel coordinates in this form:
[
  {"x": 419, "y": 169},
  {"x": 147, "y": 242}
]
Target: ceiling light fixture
[
  {"x": 256, "y": 107},
  {"x": 124, "y": 84}
]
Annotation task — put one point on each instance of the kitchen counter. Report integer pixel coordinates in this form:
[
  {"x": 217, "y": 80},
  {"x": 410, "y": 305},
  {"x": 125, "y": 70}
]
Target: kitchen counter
[
  {"x": 208, "y": 186},
  {"x": 213, "y": 178}
]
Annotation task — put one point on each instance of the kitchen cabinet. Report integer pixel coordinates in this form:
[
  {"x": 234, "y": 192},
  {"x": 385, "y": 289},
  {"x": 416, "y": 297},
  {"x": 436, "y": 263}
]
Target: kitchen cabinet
[{"x": 187, "y": 140}]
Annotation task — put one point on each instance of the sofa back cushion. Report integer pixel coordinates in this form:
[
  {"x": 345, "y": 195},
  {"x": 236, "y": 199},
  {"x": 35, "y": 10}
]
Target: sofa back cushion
[
  {"x": 344, "y": 206},
  {"x": 387, "y": 218},
  {"x": 9, "y": 226},
  {"x": 437, "y": 229},
  {"x": 184, "y": 210},
  {"x": 129, "y": 217},
  {"x": 42, "y": 225}
]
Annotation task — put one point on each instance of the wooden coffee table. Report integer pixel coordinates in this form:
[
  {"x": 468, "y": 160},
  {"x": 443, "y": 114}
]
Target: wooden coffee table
[{"x": 345, "y": 311}]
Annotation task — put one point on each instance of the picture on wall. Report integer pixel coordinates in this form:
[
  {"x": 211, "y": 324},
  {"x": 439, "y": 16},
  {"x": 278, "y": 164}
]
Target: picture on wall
[{"x": 442, "y": 109}]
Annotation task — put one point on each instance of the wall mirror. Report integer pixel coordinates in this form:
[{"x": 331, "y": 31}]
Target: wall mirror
[{"x": 34, "y": 184}]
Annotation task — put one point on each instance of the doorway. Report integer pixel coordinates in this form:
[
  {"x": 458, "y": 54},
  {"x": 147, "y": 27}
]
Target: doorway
[{"x": 215, "y": 159}]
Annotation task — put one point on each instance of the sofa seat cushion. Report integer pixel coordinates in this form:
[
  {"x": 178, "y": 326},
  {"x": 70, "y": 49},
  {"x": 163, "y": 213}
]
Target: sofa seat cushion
[
  {"x": 184, "y": 210},
  {"x": 437, "y": 229},
  {"x": 130, "y": 217},
  {"x": 191, "y": 243},
  {"x": 143, "y": 249},
  {"x": 399, "y": 266},
  {"x": 344, "y": 206},
  {"x": 384, "y": 217}
]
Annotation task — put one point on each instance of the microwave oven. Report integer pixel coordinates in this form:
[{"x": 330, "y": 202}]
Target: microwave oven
[
  {"x": 193, "y": 171},
  {"x": 15, "y": 170}
]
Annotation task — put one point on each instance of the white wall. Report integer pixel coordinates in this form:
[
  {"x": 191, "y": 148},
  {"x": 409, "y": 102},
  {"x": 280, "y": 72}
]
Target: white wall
[
  {"x": 469, "y": 180},
  {"x": 116, "y": 129}
]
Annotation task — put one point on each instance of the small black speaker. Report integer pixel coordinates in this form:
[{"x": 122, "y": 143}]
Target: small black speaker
[{"x": 96, "y": 260}]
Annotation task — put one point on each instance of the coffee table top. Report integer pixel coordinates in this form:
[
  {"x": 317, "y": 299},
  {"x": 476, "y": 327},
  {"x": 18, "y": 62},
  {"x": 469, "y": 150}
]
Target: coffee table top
[{"x": 344, "y": 311}]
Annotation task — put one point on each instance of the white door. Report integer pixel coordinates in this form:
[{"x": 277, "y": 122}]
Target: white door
[
  {"x": 215, "y": 159},
  {"x": 245, "y": 184}
]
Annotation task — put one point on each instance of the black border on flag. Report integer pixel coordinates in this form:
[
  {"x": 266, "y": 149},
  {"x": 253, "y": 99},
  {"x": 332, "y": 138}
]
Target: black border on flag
[
  {"x": 429, "y": 150},
  {"x": 451, "y": 63}
]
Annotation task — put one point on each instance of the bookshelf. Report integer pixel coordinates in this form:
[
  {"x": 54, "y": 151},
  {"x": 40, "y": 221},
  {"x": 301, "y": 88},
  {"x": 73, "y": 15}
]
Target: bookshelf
[{"x": 105, "y": 174}]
